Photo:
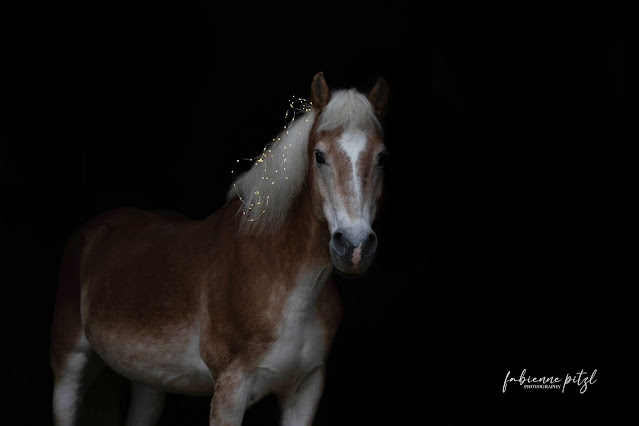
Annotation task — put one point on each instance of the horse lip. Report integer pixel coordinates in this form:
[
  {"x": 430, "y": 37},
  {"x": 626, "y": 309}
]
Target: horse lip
[{"x": 345, "y": 267}]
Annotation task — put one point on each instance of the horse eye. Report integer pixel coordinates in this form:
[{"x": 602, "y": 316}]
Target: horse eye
[
  {"x": 319, "y": 157},
  {"x": 382, "y": 159}
]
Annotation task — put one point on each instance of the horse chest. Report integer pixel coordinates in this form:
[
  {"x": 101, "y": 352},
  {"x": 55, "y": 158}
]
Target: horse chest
[{"x": 299, "y": 348}]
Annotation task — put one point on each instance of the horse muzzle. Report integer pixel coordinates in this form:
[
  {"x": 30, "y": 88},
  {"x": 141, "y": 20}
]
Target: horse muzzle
[{"x": 352, "y": 250}]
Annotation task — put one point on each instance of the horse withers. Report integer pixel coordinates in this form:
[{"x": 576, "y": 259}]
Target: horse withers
[{"x": 241, "y": 304}]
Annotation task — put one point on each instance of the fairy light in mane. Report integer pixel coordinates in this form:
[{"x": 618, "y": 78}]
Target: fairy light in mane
[{"x": 255, "y": 204}]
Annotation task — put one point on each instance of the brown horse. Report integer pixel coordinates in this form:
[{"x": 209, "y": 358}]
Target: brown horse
[{"x": 238, "y": 305}]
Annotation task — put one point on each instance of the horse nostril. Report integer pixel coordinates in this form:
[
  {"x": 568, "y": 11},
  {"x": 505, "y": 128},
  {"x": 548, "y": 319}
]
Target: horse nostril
[
  {"x": 339, "y": 244},
  {"x": 371, "y": 244},
  {"x": 347, "y": 242}
]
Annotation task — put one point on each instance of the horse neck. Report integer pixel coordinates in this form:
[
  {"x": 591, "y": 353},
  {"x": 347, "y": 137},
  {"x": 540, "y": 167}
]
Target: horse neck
[
  {"x": 297, "y": 249},
  {"x": 304, "y": 233}
]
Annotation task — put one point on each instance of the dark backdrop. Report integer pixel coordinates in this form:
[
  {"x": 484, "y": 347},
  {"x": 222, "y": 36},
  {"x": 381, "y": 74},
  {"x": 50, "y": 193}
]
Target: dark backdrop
[{"x": 505, "y": 237}]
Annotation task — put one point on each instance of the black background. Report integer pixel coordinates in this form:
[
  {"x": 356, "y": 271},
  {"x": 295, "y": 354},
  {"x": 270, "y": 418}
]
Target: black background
[{"x": 505, "y": 237}]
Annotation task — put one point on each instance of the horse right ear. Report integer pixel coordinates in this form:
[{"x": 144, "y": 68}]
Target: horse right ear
[
  {"x": 379, "y": 98},
  {"x": 320, "y": 95}
]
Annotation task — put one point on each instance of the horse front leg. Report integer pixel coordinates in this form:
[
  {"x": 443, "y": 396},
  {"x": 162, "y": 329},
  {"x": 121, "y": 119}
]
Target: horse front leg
[
  {"x": 299, "y": 403},
  {"x": 146, "y": 405},
  {"x": 230, "y": 396}
]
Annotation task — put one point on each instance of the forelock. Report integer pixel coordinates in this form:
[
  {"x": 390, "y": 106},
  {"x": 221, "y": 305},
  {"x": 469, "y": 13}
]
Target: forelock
[{"x": 347, "y": 109}]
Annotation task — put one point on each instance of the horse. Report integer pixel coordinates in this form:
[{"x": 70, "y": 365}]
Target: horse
[{"x": 243, "y": 303}]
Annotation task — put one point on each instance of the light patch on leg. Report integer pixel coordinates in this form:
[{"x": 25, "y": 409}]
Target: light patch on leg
[
  {"x": 68, "y": 389},
  {"x": 357, "y": 254},
  {"x": 65, "y": 402}
]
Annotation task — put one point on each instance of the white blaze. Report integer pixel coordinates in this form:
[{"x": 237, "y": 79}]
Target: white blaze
[{"x": 353, "y": 142}]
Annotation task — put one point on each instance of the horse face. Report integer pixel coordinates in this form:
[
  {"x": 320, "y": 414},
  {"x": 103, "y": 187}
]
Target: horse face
[
  {"x": 348, "y": 170},
  {"x": 347, "y": 167}
]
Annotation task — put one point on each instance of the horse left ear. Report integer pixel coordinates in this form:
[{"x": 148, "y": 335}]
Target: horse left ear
[
  {"x": 320, "y": 94},
  {"x": 378, "y": 97}
]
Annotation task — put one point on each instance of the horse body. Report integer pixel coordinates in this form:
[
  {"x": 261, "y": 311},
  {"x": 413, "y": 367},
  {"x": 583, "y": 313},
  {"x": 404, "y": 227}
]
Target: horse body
[
  {"x": 144, "y": 322},
  {"x": 202, "y": 307}
]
